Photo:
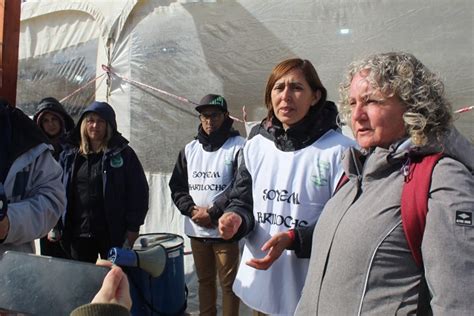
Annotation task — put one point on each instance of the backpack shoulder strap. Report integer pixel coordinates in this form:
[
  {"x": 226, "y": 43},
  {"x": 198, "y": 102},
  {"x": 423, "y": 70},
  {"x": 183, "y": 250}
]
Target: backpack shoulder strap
[
  {"x": 414, "y": 202},
  {"x": 343, "y": 180}
]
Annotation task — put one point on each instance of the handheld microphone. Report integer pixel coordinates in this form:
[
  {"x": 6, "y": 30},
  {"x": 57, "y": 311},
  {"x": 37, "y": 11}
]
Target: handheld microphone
[{"x": 152, "y": 261}]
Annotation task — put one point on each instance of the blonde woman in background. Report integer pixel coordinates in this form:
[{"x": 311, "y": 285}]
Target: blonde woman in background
[{"x": 106, "y": 187}]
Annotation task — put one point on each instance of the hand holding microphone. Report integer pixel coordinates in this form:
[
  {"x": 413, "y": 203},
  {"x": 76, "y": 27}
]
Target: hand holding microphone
[{"x": 115, "y": 288}]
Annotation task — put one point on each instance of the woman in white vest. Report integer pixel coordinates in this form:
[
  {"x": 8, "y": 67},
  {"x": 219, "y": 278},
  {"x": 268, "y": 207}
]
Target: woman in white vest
[{"x": 290, "y": 167}]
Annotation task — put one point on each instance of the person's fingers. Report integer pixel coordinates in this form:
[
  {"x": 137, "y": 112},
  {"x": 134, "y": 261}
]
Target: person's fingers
[
  {"x": 274, "y": 254},
  {"x": 270, "y": 243},
  {"x": 208, "y": 222},
  {"x": 222, "y": 231},
  {"x": 280, "y": 241},
  {"x": 200, "y": 216},
  {"x": 225, "y": 218},
  {"x": 227, "y": 231},
  {"x": 254, "y": 265},
  {"x": 260, "y": 264},
  {"x": 109, "y": 287},
  {"x": 104, "y": 263},
  {"x": 123, "y": 292},
  {"x": 274, "y": 247},
  {"x": 226, "y": 225},
  {"x": 231, "y": 220}
]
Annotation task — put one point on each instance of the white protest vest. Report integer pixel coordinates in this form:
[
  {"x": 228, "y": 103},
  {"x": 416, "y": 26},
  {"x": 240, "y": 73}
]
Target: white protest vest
[
  {"x": 209, "y": 174},
  {"x": 289, "y": 190}
]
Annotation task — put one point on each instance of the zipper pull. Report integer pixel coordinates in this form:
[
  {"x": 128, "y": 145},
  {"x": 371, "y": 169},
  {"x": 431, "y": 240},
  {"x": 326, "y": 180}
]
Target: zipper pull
[{"x": 406, "y": 168}]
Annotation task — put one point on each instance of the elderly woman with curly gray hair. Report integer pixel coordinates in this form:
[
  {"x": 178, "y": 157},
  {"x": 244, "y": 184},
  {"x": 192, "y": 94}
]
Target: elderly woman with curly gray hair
[
  {"x": 363, "y": 262},
  {"x": 376, "y": 250}
]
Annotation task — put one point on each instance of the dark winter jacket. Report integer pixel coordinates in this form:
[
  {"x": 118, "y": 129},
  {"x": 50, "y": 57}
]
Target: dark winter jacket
[
  {"x": 315, "y": 124},
  {"x": 179, "y": 178},
  {"x": 125, "y": 187}
]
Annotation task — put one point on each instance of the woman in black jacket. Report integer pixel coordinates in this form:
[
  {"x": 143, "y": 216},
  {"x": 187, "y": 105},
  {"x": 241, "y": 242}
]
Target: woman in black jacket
[
  {"x": 55, "y": 122},
  {"x": 105, "y": 184}
]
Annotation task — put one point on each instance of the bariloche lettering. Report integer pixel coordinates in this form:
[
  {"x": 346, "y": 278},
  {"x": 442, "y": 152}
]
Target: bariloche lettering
[
  {"x": 278, "y": 220},
  {"x": 207, "y": 187},
  {"x": 281, "y": 196}
]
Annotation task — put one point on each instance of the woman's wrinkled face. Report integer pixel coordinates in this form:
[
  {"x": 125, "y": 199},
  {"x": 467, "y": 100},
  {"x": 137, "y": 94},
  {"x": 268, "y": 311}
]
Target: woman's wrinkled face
[
  {"x": 376, "y": 120},
  {"x": 292, "y": 98},
  {"x": 50, "y": 124},
  {"x": 96, "y": 128}
]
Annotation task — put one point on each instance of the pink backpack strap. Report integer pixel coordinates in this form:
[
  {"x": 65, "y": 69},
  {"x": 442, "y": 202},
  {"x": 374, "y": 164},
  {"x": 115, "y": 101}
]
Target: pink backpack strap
[{"x": 414, "y": 202}]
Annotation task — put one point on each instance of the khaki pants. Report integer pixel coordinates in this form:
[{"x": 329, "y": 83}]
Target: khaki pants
[{"x": 211, "y": 259}]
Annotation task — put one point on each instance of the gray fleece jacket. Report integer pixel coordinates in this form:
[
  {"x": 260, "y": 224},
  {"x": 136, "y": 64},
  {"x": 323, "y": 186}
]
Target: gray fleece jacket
[{"x": 361, "y": 263}]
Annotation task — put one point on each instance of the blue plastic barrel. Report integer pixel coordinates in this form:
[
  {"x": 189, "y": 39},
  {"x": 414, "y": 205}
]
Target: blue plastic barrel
[{"x": 163, "y": 295}]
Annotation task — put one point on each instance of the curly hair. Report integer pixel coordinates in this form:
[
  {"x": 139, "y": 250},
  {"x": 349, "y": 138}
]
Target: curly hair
[{"x": 400, "y": 74}]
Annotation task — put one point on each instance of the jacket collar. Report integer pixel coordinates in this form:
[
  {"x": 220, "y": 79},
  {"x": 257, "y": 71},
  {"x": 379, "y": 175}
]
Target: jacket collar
[
  {"x": 377, "y": 159},
  {"x": 215, "y": 140},
  {"x": 316, "y": 123}
]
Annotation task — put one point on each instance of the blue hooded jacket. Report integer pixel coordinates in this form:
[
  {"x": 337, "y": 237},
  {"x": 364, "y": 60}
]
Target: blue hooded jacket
[{"x": 125, "y": 188}]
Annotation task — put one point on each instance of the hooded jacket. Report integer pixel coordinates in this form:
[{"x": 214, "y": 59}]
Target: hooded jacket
[
  {"x": 125, "y": 188},
  {"x": 363, "y": 264},
  {"x": 53, "y": 105},
  {"x": 179, "y": 183},
  {"x": 31, "y": 180}
]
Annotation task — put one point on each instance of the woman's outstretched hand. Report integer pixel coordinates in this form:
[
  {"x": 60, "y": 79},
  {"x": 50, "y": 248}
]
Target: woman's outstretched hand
[{"x": 274, "y": 248}]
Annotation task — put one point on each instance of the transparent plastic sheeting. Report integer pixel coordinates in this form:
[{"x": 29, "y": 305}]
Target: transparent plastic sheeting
[{"x": 192, "y": 48}]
